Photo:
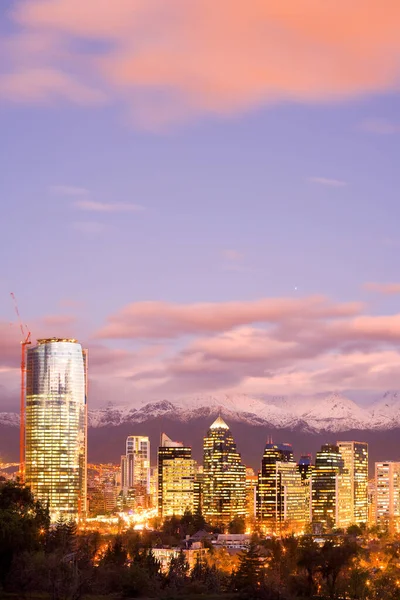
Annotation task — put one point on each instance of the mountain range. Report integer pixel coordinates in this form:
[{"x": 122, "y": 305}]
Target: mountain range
[{"x": 305, "y": 421}]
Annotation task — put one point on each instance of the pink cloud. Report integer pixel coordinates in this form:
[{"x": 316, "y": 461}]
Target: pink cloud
[
  {"x": 93, "y": 206},
  {"x": 380, "y": 126},
  {"x": 215, "y": 57},
  {"x": 383, "y": 288},
  {"x": 46, "y": 85},
  {"x": 164, "y": 320}
]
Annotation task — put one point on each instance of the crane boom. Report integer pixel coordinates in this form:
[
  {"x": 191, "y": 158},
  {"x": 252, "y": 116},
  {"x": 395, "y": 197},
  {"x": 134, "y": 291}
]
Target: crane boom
[{"x": 26, "y": 340}]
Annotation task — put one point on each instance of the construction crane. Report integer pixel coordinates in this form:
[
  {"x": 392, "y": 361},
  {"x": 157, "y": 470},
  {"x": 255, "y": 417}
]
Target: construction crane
[{"x": 26, "y": 340}]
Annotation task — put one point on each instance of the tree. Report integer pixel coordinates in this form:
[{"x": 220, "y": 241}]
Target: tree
[
  {"x": 23, "y": 524},
  {"x": 115, "y": 553},
  {"x": 237, "y": 525},
  {"x": 333, "y": 560},
  {"x": 309, "y": 560},
  {"x": 178, "y": 571},
  {"x": 354, "y": 530},
  {"x": 247, "y": 578}
]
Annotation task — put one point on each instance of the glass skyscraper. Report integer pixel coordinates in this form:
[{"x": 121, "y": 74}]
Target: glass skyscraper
[
  {"x": 56, "y": 426},
  {"x": 282, "y": 497},
  {"x": 135, "y": 468},
  {"x": 175, "y": 478},
  {"x": 355, "y": 458},
  {"x": 224, "y": 484},
  {"x": 331, "y": 489}
]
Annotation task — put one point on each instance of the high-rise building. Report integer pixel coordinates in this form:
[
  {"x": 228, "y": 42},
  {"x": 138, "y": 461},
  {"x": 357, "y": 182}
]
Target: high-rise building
[
  {"x": 224, "y": 483},
  {"x": 282, "y": 500},
  {"x": 135, "y": 468},
  {"x": 198, "y": 488},
  {"x": 175, "y": 478},
  {"x": 387, "y": 494},
  {"x": 305, "y": 466},
  {"x": 355, "y": 458},
  {"x": 251, "y": 493},
  {"x": 331, "y": 489},
  {"x": 371, "y": 502},
  {"x": 56, "y": 426}
]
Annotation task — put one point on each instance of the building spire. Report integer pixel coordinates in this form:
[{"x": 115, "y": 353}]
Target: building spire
[{"x": 219, "y": 423}]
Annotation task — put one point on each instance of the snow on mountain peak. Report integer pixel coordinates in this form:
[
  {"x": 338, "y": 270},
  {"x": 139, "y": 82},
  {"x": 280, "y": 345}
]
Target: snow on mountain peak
[{"x": 333, "y": 412}]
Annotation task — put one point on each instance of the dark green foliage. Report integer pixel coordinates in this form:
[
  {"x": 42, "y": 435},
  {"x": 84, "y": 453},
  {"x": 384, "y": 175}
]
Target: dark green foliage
[
  {"x": 333, "y": 559},
  {"x": 178, "y": 572},
  {"x": 23, "y": 524},
  {"x": 237, "y": 525},
  {"x": 249, "y": 575}
]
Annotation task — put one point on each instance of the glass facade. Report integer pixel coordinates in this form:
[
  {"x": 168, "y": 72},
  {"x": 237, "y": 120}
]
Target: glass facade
[
  {"x": 135, "y": 465},
  {"x": 387, "y": 495},
  {"x": 175, "y": 478},
  {"x": 331, "y": 489},
  {"x": 224, "y": 483},
  {"x": 56, "y": 426},
  {"x": 355, "y": 458},
  {"x": 282, "y": 496}
]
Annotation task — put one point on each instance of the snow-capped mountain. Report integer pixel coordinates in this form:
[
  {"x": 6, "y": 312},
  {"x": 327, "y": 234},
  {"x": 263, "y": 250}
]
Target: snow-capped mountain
[{"x": 332, "y": 413}]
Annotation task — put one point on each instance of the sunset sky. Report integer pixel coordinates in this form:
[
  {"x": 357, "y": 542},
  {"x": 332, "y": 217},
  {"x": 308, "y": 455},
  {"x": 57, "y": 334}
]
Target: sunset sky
[{"x": 205, "y": 193}]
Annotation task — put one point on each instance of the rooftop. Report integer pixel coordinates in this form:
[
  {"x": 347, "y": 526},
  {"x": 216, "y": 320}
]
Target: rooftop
[
  {"x": 219, "y": 423},
  {"x": 56, "y": 340}
]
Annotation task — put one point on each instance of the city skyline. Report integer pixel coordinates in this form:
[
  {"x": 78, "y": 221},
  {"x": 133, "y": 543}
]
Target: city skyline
[
  {"x": 199, "y": 299},
  {"x": 184, "y": 244}
]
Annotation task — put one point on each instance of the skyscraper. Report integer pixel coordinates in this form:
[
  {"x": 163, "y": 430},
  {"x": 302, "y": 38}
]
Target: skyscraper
[
  {"x": 331, "y": 489},
  {"x": 135, "y": 468},
  {"x": 175, "y": 478},
  {"x": 355, "y": 459},
  {"x": 282, "y": 499},
  {"x": 387, "y": 494},
  {"x": 224, "y": 484},
  {"x": 56, "y": 425}
]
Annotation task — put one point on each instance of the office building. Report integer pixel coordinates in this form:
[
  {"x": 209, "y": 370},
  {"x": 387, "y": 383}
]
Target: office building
[
  {"x": 175, "y": 478},
  {"x": 305, "y": 466},
  {"x": 355, "y": 459},
  {"x": 135, "y": 465},
  {"x": 56, "y": 426},
  {"x": 224, "y": 482},
  {"x": 387, "y": 495},
  {"x": 198, "y": 486},
  {"x": 282, "y": 501},
  {"x": 251, "y": 494},
  {"x": 331, "y": 489}
]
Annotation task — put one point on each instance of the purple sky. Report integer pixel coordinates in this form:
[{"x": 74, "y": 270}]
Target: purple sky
[{"x": 124, "y": 179}]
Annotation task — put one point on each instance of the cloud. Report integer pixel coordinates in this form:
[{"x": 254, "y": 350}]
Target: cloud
[
  {"x": 47, "y": 86},
  {"x": 160, "y": 320},
  {"x": 327, "y": 182},
  {"x": 232, "y": 255},
  {"x": 383, "y": 288},
  {"x": 71, "y": 303},
  {"x": 68, "y": 190},
  {"x": 272, "y": 346},
  {"x": 380, "y": 126},
  {"x": 167, "y": 61},
  {"x": 58, "y": 321},
  {"x": 89, "y": 227},
  {"x": 91, "y": 205}
]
